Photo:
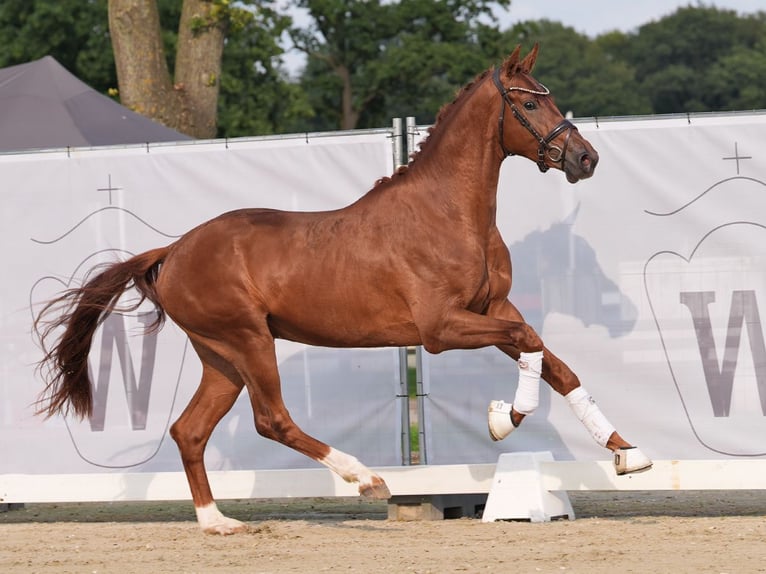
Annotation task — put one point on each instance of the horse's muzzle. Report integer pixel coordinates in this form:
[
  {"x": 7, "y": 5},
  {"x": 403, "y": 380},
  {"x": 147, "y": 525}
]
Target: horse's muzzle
[{"x": 580, "y": 163}]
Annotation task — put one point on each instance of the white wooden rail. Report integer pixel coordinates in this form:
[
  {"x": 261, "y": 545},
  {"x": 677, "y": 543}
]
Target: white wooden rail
[{"x": 402, "y": 481}]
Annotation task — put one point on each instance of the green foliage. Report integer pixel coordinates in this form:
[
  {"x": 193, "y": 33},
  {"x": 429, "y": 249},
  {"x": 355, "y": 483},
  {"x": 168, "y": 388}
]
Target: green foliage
[
  {"x": 75, "y": 32},
  {"x": 230, "y": 16},
  {"x": 255, "y": 96},
  {"x": 580, "y": 72},
  {"x": 737, "y": 81},
  {"x": 408, "y": 57},
  {"x": 700, "y": 59},
  {"x": 402, "y": 58}
]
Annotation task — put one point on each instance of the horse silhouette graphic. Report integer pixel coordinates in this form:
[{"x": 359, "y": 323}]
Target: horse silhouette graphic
[
  {"x": 557, "y": 272},
  {"x": 561, "y": 274}
]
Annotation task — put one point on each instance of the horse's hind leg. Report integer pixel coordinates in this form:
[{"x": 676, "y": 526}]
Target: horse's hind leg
[
  {"x": 563, "y": 380},
  {"x": 258, "y": 364},
  {"x": 216, "y": 394}
]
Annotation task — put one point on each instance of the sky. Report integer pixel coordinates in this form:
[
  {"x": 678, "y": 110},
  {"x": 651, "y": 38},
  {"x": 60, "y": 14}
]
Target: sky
[
  {"x": 591, "y": 17},
  {"x": 595, "y": 17}
]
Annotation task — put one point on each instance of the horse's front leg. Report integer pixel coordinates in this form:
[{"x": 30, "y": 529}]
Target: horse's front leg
[{"x": 505, "y": 417}]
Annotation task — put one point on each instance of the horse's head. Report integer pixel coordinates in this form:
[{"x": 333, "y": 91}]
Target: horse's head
[{"x": 539, "y": 131}]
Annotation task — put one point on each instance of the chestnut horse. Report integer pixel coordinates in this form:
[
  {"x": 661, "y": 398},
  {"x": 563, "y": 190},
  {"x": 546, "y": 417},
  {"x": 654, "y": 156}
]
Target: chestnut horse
[{"x": 348, "y": 278}]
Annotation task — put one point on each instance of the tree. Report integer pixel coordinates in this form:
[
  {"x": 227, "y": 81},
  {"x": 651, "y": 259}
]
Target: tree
[
  {"x": 366, "y": 57},
  {"x": 75, "y": 32},
  {"x": 189, "y": 101},
  {"x": 226, "y": 61},
  {"x": 256, "y": 96},
  {"x": 581, "y": 73},
  {"x": 674, "y": 58},
  {"x": 371, "y": 60},
  {"x": 737, "y": 81}
]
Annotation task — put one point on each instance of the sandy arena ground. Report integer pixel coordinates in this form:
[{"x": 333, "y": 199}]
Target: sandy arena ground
[{"x": 647, "y": 532}]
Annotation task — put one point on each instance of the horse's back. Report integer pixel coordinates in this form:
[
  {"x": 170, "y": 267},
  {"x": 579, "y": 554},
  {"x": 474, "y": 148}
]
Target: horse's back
[{"x": 317, "y": 277}]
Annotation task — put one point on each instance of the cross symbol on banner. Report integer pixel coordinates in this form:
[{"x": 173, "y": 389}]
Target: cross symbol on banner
[
  {"x": 738, "y": 157},
  {"x": 110, "y": 189}
]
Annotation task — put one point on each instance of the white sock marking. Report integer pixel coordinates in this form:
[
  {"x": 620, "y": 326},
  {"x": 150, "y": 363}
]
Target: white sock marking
[{"x": 347, "y": 467}]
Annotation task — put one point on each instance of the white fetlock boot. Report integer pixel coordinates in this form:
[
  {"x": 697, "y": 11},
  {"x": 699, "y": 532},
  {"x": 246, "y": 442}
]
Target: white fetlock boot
[
  {"x": 526, "y": 400},
  {"x": 629, "y": 460},
  {"x": 499, "y": 420}
]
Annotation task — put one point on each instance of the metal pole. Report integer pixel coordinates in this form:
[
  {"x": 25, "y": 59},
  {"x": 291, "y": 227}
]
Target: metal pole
[
  {"x": 397, "y": 137},
  {"x": 412, "y": 131},
  {"x": 398, "y": 143},
  {"x": 404, "y": 395},
  {"x": 421, "y": 395}
]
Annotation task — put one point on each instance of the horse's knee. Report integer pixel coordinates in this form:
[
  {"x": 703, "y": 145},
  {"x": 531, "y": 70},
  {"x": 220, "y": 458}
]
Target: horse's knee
[{"x": 526, "y": 339}]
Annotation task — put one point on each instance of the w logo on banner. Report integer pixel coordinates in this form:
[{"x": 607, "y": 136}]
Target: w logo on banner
[
  {"x": 114, "y": 340},
  {"x": 719, "y": 377},
  {"x": 706, "y": 307},
  {"x": 133, "y": 393}
]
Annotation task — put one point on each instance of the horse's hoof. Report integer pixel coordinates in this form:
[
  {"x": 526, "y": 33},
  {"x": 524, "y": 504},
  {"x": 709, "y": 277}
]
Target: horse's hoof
[
  {"x": 377, "y": 489},
  {"x": 226, "y": 527},
  {"x": 629, "y": 460},
  {"x": 499, "y": 420}
]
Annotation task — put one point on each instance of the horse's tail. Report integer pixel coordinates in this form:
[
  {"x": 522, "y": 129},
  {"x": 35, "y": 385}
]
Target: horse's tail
[{"x": 80, "y": 311}]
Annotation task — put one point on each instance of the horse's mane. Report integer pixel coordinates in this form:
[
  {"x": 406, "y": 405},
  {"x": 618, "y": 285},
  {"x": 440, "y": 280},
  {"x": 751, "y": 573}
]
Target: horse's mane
[{"x": 444, "y": 112}]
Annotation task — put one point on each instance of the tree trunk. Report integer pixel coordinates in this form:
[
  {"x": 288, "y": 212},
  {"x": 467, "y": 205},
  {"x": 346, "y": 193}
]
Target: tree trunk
[
  {"x": 198, "y": 64},
  {"x": 189, "y": 104},
  {"x": 142, "y": 73},
  {"x": 349, "y": 115}
]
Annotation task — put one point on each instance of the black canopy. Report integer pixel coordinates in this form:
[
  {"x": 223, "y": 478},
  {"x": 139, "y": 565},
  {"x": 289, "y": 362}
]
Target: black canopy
[{"x": 42, "y": 105}]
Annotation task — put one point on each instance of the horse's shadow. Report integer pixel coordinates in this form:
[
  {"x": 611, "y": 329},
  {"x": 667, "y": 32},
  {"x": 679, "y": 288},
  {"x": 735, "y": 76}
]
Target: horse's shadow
[{"x": 555, "y": 272}]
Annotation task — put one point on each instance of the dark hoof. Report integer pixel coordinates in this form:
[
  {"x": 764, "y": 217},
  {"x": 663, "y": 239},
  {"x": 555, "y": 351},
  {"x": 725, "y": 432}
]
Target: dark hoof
[{"x": 377, "y": 489}]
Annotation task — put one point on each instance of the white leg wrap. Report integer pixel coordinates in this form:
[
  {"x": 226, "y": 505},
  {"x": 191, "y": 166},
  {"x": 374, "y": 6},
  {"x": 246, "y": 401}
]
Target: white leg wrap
[
  {"x": 590, "y": 415},
  {"x": 528, "y": 392}
]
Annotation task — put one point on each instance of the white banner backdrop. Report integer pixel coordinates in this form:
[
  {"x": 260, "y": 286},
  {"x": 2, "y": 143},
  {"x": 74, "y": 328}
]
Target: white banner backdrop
[
  {"x": 63, "y": 212},
  {"x": 646, "y": 279},
  {"x": 649, "y": 280}
]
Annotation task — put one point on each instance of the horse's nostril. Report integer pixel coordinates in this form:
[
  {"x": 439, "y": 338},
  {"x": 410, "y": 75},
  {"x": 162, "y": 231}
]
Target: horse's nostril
[{"x": 585, "y": 161}]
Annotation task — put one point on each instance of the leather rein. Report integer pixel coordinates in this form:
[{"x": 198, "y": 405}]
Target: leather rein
[{"x": 555, "y": 153}]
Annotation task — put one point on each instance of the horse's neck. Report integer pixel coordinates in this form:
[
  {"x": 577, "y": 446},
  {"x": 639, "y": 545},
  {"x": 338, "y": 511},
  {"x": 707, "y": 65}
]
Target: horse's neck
[{"x": 458, "y": 170}]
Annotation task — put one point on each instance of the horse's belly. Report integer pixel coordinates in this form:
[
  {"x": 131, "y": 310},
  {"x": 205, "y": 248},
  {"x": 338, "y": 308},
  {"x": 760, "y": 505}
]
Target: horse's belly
[{"x": 331, "y": 330}]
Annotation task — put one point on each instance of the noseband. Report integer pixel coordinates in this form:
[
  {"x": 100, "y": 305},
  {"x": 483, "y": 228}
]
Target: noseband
[{"x": 554, "y": 152}]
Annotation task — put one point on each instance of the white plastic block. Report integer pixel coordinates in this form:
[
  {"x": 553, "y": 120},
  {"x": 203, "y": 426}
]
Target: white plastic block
[{"x": 517, "y": 491}]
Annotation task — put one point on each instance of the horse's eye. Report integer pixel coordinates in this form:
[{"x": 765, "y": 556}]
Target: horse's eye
[{"x": 530, "y": 105}]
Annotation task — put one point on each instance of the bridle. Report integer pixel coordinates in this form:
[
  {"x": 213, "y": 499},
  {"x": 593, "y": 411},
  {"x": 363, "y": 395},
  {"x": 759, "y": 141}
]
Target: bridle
[{"x": 555, "y": 153}]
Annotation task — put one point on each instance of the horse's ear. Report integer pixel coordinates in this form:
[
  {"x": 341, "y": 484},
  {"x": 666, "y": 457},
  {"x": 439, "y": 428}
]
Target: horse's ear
[
  {"x": 528, "y": 62},
  {"x": 511, "y": 64}
]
